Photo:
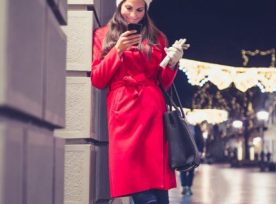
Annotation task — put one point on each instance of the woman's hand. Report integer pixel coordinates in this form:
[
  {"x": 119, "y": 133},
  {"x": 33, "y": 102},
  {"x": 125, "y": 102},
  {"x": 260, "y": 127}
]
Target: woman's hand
[
  {"x": 126, "y": 40},
  {"x": 175, "y": 53}
]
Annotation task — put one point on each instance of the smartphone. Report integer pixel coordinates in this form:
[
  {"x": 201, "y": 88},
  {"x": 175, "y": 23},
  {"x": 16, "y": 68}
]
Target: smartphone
[{"x": 135, "y": 26}]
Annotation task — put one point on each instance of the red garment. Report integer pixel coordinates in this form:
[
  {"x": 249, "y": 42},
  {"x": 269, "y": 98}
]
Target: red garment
[{"x": 138, "y": 149}]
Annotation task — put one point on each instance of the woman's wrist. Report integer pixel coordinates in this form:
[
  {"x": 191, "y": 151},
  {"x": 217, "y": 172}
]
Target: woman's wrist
[
  {"x": 175, "y": 67},
  {"x": 119, "y": 51}
]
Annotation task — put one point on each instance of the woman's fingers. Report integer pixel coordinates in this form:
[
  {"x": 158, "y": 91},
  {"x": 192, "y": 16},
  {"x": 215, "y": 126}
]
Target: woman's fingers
[
  {"x": 128, "y": 39},
  {"x": 132, "y": 39}
]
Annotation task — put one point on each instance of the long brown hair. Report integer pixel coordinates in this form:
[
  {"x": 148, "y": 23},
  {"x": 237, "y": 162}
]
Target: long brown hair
[{"x": 117, "y": 25}]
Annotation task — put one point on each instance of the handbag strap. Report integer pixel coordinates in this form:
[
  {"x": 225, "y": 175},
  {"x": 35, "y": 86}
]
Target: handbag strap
[
  {"x": 178, "y": 100},
  {"x": 170, "y": 101}
]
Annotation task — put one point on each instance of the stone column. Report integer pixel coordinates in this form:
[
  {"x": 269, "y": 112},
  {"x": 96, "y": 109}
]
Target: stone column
[
  {"x": 86, "y": 161},
  {"x": 86, "y": 171}
]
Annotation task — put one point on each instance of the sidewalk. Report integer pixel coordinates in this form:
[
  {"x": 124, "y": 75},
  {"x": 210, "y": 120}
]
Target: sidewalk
[{"x": 220, "y": 184}]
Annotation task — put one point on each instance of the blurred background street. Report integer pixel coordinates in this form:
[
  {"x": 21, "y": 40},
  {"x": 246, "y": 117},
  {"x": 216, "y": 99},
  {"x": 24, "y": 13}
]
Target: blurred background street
[{"x": 220, "y": 184}]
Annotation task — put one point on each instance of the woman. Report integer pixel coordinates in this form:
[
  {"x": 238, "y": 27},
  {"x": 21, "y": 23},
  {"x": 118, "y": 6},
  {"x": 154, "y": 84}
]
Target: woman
[{"x": 128, "y": 64}]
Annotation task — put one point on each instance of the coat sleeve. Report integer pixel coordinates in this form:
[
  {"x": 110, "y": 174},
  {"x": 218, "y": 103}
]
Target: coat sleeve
[
  {"x": 167, "y": 74},
  {"x": 103, "y": 69}
]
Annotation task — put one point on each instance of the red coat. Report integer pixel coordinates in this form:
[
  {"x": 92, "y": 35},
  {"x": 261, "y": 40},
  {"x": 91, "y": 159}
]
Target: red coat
[{"x": 138, "y": 149}]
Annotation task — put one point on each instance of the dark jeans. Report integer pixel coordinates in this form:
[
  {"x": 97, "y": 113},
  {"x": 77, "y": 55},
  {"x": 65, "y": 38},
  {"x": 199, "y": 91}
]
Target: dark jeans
[
  {"x": 151, "y": 197},
  {"x": 187, "y": 178}
]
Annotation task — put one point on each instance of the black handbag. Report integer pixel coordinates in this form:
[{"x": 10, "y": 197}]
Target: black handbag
[{"x": 183, "y": 152}]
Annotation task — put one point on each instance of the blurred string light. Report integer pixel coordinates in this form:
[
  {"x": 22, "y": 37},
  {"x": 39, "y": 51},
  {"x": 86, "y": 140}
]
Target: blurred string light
[
  {"x": 238, "y": 105},
  {"x": 247, "y": 53},
  {"x": 262, "y": 115},
  {"x": 212, "y": 116},
  {"x": 261, "y": 87},
  {"x": 223, "y": 76},
  {"x": 257, "y": 140},
  {"x": 205, "y": 98}
]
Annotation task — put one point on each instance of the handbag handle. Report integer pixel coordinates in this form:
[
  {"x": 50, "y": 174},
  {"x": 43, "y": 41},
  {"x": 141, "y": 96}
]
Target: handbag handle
[{"x": 170, "y": 99}]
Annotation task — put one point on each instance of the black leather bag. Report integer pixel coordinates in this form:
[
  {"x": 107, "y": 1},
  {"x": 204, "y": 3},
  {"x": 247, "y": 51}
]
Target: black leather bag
[{"x": 183, "y": 151}]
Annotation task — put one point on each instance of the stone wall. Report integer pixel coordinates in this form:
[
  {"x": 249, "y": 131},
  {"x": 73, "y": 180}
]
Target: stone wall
[{"x": 32, "y": 97}]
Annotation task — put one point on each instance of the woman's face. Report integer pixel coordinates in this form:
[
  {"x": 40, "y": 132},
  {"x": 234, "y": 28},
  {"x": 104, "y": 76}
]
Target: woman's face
[{"x": 133, "y": 11}]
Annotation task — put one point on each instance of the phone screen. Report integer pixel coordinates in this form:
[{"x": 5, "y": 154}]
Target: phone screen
[{"x": 135, "y": 26}]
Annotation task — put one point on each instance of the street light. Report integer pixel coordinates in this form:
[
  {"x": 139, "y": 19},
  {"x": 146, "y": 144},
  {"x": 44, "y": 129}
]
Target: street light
[
  {"x": 262, "y": 115},
  {"x": 237, "y": 124}
]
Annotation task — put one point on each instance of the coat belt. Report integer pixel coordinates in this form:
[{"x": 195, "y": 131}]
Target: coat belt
[{"x": 133, "y": 81}]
